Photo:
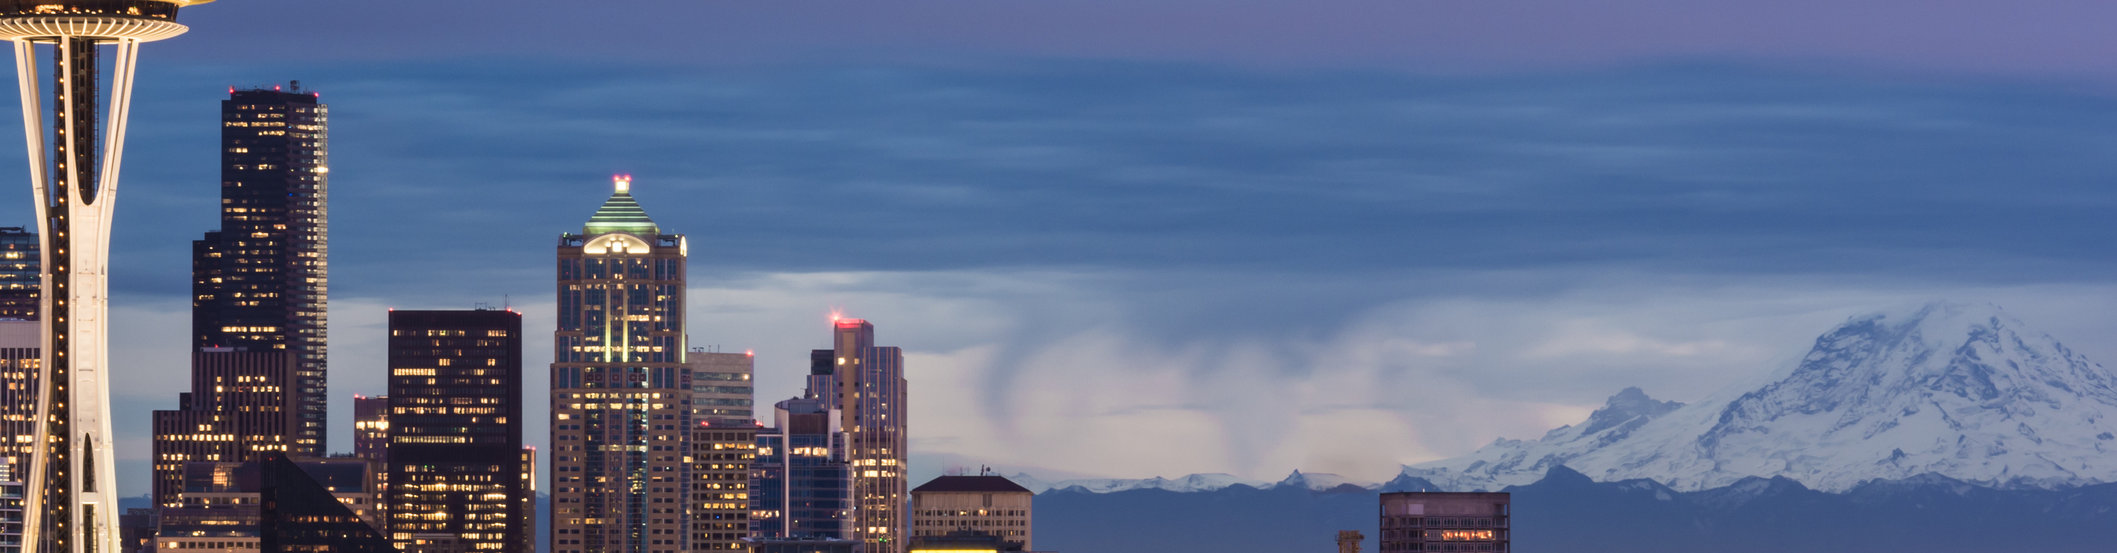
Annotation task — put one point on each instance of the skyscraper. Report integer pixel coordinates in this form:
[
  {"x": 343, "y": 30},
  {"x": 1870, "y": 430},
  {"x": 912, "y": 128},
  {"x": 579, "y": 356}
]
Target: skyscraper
[
  {"x": 238, "y": 410},
  {"x": 720, "y": 457},
  {"x": 72, "y": 502},
  {"x": 21, "y": 277},
  {"x": 620, "y": 390},
  {"x": 455, "y": 427},
  {"x": 722, "y": 386},
  {"x": 260, "y": 283},
  {"x": 870, "y": 399},
  {"x": 800, "y": 484}
]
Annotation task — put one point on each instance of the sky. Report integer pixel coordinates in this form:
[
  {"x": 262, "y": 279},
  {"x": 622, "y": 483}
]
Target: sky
[{"x": 1129, "y": 239}]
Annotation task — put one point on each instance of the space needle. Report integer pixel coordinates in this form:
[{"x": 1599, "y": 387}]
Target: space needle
[{"x": 71, "y": 503}]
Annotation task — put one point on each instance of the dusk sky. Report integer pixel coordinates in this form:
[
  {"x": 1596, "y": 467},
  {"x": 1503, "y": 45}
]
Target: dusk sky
[{"x": 1143, "y": 238}]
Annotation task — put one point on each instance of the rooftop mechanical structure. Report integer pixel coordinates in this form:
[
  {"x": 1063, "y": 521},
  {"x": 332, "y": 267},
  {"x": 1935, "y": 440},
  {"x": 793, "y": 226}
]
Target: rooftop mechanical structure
[{"x": 72, "y": 500}]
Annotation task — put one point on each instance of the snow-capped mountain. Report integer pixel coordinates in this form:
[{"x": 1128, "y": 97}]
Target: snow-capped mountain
[{"x": 1963, "y": 391}]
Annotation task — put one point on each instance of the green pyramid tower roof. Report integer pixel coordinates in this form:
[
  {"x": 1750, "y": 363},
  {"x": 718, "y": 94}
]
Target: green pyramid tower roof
[{"x": 621, "y": 213}]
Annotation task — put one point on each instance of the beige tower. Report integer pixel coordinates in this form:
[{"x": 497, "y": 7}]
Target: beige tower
[{"x": 620, "y": 389}]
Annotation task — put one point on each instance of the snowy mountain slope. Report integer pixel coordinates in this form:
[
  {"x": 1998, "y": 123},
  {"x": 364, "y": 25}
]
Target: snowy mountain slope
[{"x": 1959, "y": 390}]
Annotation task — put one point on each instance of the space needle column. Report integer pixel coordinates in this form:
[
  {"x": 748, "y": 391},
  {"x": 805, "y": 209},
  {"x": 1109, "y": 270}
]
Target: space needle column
[{"x": 71, "y": 503}]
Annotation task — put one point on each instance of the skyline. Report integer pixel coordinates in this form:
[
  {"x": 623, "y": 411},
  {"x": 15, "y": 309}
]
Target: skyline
[{"x": 1037, "y": 224}]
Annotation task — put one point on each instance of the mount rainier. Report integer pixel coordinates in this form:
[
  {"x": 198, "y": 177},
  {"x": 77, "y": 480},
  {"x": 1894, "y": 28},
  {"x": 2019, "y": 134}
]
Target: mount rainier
[{"x": 1959, "y": 390}]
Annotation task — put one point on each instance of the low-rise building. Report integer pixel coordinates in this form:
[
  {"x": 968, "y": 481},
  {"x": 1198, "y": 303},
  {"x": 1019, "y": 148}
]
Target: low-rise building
[
  {"x": 1445, "y": 522},
  {"x": 985, "y": 504}
]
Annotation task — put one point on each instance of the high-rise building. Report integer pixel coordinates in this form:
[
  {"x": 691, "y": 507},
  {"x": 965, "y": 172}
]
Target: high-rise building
[
  {"x": 620, "y": 390},
  {"x": 371, "y": 436},
  {"x": 237, "y": 411},
  {"x": 801, "y": 486},
  {"x": 871, "y": 399},
  {"x": 722, "y": 384},
  {"x": 986, "y": 503},
  {"x": 19, "y": 357},
  {"x": 721, "y": 453},
  {"x": 260, "y": 283},
  {"x": 1445, "y": 521},
  {"x": 21, "y": 276},
  {"x": 455, "y": 427},
  {"x": 72, "y": 503},
  {"x": 10, "y": 510}
]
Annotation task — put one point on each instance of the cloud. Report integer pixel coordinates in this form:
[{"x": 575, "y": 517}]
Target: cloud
[{"x": 1132, "y": 268}]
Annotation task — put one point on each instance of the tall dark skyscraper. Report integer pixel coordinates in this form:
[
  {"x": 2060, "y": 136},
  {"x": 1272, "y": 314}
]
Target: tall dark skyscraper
[
  {"x": 260, "y": 283},
  {"x": 870, "y": 397},
  {"x": 620, "y": 389},
  {"x": 21, "y": 275},
  {"x": 455, "y": 427}
]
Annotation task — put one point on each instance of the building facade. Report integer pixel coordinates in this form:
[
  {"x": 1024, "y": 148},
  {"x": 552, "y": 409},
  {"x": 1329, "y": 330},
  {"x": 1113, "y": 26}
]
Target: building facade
[
  {"x": 261, "y": 282},
  {"x": 801, "y": 487},
  {"x": 871, "y": 400},
  {"x": 992, "y": 505},
  {"x": 238, "y": 410},
  {"x": 19, "y": 358},
  {"x": 21, "y": 274},
  {"x": 620, "y": 389},
  {"x": 721, "y": 454},
  {"x": 371, "y": 437},
  {"x": 455, "y": 431},
  {"x": 218, "y": 510},
  {"x": 722, "y": 388},
  {"x": 1445, "y": 522}
]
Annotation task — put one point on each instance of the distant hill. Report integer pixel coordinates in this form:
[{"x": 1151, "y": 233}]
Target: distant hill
[{"x": 1567, "y": 512}]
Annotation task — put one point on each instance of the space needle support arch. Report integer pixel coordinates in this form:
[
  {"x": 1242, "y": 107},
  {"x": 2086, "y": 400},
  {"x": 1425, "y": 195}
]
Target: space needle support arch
[{"x": 71, "y": 501}]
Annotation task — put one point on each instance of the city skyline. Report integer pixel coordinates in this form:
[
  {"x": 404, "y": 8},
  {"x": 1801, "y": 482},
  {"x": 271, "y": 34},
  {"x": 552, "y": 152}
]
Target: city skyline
[{"x": 1018, "y": 243}]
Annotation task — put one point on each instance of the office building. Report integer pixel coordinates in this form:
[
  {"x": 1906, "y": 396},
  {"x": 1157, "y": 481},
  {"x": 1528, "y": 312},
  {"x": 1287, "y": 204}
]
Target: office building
[
  {"x": 803, "y": 545},
  {"x": 986, "y": 503},
  {"x": 455, "y": 428},
  {"x": 136, "y": 530},
  {"x": 218, "y": 509},
  {"x": 371, "y": 438},
  {"x": 21, "y": 275},
  {"x": 721, "y": 454},
  {"x": 19, "y": 358},
  {"x": 801, "y": 486},
  {"x": 722, "y": 388},
  {"x": 620, "y": 390},
  {"x": 1447, "y": 522},
  {"x": 871, "y": 399},
  {"x": 11, "y": 503},
  {"x": 297, "y": 514},
  {"x": 260, "y": 283},
  {"x": 963, "y": 541},
  {"x": 73, "y": 175},
  {"x": 238, "y": 409}
]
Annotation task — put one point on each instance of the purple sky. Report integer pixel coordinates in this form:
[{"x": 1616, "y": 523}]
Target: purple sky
[
  {"x": 2064, "y": 39},
  {"x": 1154, "y": 238}
]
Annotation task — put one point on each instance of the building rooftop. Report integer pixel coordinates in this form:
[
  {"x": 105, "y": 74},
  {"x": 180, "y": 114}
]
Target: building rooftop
[
  {"x": 971, "y": 484},
  {"x": 621, "y": 213}
]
